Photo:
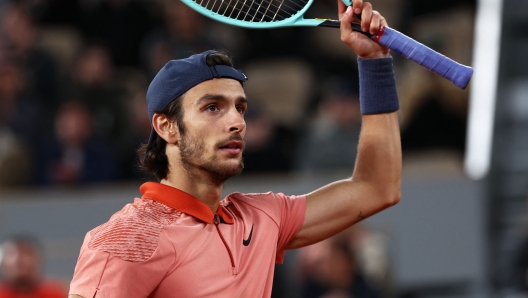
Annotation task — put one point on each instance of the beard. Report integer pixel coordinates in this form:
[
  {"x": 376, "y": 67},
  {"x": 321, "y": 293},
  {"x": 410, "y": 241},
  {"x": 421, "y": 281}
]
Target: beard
[{"x": 192, "y": 151}]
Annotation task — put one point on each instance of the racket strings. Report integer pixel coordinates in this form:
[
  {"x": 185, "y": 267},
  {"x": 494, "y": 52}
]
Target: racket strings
[
  {"x": 286, "y": 10},
  {"x": 253, "y": 17},
  {"x": 254, "y": 10}
]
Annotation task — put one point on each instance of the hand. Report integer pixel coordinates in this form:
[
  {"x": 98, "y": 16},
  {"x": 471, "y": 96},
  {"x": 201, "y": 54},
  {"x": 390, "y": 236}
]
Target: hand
[{"x": 371, "y": 21}]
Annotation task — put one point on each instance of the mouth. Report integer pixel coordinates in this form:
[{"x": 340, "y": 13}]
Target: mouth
[{"x": 232, "y": 147}]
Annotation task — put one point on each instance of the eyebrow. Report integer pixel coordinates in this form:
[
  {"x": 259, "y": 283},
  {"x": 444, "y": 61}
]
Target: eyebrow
[{"x": 220, "y": 97}]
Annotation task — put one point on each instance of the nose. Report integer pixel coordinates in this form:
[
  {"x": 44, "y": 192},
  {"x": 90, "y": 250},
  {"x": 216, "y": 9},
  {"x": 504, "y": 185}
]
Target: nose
[{"x": 237, "y": 124}]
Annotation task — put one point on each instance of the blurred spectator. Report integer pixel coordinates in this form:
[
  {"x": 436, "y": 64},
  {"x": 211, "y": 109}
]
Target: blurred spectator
[
  {"x": 331, "y": 140},
  {"x": 16, "y": 129},
  {"x": 21, "y": 266},
  {"x": 120, "y": 25},
  {"x": 18, "y": 34},
  {"x": 93, "y": 84},
  {"x": 15, "y": 160},
  {"x": 74, "y": 154},
  {"x": 20, "y": 111},
  {"x": 331, "y": 269},
  {"x": 94, "y": 67}
]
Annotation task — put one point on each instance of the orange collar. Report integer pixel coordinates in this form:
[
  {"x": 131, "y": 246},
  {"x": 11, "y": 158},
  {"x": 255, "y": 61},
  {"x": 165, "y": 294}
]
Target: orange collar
[{"x": 183, "y": 202}]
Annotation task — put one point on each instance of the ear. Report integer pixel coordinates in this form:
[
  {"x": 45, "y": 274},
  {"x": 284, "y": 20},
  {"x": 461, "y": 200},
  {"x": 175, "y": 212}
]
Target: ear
[{"x": 165, "y": 128}]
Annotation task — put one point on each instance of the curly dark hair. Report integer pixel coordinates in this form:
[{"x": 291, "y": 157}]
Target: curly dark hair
[{"x": 152, "y": 157}]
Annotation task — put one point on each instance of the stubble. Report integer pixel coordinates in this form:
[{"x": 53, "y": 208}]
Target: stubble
[{"x": 197, "y": 166}]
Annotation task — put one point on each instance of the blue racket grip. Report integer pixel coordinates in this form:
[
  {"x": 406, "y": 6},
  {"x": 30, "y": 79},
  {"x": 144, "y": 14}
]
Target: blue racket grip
[{"x": 411, "y": 49}]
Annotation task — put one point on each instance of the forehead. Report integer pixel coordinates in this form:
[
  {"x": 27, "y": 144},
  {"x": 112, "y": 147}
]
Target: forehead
[{"x": 228, "y": 88}]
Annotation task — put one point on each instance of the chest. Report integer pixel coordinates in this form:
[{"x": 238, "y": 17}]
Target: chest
[{"x": 227, "y": 260}]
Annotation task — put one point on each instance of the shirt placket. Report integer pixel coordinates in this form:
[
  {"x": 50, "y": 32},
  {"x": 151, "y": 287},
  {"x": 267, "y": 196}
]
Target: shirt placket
[{"x": 217, "y": 223}]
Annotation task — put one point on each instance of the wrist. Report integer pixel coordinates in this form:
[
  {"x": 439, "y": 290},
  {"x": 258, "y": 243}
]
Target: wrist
[
  {"x": 375, "y": 55},
  {"x": 377, "y": 86}
]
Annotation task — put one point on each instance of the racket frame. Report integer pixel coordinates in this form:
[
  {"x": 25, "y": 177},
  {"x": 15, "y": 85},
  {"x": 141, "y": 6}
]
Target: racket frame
[
  {"x": 457, "y": 73},
  {"x": 296, "y": 19}
]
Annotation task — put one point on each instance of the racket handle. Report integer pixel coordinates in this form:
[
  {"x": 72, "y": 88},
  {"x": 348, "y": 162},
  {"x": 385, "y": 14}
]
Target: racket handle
[
  {"x": 336, "y": 24},
  {"x": 455, "y": 72}
]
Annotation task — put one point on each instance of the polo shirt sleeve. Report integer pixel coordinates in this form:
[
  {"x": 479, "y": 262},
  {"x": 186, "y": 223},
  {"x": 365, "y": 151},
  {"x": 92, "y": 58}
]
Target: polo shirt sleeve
[
  {"x": 291, "y": 210},
  {"x": 109, "y": 276}
]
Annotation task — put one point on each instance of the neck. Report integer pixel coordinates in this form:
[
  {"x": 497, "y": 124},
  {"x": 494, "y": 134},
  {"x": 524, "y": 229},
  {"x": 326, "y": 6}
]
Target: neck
[{"x": 199, "y": 185}]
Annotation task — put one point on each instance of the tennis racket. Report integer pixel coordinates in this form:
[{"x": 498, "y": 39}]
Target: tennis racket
[{"x": 263, "y": 14}]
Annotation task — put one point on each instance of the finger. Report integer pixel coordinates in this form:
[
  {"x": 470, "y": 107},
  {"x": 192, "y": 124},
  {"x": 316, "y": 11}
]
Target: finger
[
  {"x": 341, "y": 7},
  {"x": 346, "y": 26},
  {"x": 356, "y": 18},
  {"x": 366, "y": 16},
  {"x": 375, "y": 22},
  {"x": 357, "y": 6},
  {"x": 346, "y": 18},
  {"x": 383, "y": 21}
]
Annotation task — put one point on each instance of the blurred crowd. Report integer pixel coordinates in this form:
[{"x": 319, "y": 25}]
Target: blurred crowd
[
  {"x": 73, "y": 80},
  {"x": 21, "y": 270},
  {"x": 74, "y": 74},
  {"x": 352, "y": 264}
]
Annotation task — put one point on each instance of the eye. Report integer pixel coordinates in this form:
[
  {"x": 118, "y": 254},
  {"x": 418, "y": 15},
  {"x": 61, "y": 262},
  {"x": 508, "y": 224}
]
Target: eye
[
  {"x": 211, "y": 108},
  {"x": 241, "y": 109}
]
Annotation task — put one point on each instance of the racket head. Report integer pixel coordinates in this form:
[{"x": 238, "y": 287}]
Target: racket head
[{"x": 255, "y": 14}]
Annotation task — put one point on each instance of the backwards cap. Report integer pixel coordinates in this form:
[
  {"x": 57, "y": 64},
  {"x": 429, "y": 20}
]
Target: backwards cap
[{"x": 178, "y": 76}]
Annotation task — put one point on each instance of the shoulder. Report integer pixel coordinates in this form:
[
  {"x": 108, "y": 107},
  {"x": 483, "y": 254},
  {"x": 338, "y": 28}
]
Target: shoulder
[
  {"x": 273, "y": 204},
  {"x": 254, "y": 199},
  {"x": 133, "y": 233},
  {"x": 259, "y": 199}
]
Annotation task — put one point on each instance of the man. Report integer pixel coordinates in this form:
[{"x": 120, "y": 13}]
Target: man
[
  {"x": 179, "y": 240},
  {"x": 21, "y": 268}
]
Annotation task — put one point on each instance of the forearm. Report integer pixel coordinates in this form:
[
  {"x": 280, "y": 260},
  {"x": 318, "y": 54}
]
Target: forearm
[{"x": 378, "y": 161}]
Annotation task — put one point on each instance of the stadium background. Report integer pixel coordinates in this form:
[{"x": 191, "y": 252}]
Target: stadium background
[{"x": 73, "y": 76}]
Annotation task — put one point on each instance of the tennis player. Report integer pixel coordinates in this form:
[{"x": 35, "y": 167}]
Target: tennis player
[{"x": 179, "y": 239}]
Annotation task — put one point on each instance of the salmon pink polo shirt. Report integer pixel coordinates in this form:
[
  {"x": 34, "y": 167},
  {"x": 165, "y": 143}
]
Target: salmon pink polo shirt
[{"x": 170, "y": 244}]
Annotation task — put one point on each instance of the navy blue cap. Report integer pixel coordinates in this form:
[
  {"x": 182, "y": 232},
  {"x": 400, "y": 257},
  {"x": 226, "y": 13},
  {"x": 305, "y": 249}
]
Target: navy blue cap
[{"x": 178, "y": 76}]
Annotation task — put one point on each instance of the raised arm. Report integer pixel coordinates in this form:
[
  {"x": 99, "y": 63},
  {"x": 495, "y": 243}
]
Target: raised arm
[{"x": 376, "y": 179}]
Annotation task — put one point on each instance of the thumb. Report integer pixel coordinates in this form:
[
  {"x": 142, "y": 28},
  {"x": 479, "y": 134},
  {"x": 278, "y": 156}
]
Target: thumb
[{"x": 347, "y": 35}]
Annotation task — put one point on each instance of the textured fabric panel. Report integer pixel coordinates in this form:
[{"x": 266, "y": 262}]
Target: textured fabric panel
[{"x": 132, "y": 234}]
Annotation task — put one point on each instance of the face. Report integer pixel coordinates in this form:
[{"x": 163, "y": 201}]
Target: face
[
  {"x": 214, "y": 129},
  {"x": 73, "y": 124},
  {"x": 20, "y": 263}
]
